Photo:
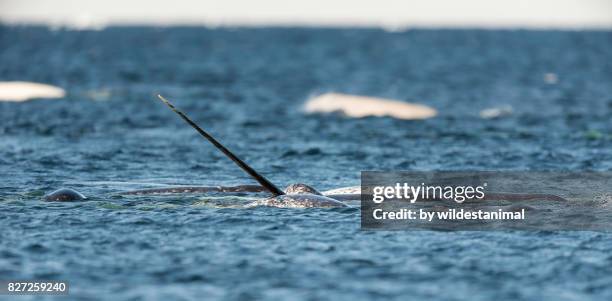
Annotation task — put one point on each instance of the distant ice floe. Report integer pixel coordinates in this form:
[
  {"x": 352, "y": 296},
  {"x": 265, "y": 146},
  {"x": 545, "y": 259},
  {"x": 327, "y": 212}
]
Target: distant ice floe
[
  {"x": 361, "y": 106},
  {"x": 551, "y": 78},
  {"x": 498, "y": 112},
  {"x": 22, "y": 91}
]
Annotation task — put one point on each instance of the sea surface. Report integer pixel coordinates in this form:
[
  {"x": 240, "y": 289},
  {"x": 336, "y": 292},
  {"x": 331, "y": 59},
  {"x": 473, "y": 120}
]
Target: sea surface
[{"x": 247, "y": 87}]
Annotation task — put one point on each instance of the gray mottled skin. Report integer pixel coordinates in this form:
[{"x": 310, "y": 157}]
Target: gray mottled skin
[
  {"x": 195, "y": 189},
  {"x": 305, "y": 200},
  {"x": 64, "y": 195},
  {"x": 301, "y": 189},
  {"x": 299, "y": 196}
]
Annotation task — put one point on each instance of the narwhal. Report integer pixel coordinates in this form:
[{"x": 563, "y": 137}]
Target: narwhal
[{"x": 294, "y": 196}]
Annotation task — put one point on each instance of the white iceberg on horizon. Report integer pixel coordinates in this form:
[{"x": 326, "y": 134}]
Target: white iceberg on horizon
[
  {"x": 22, "y": 91},
  {"x": 362, "y": 106}
]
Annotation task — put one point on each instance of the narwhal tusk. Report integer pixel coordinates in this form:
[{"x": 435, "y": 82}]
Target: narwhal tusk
[{"x": 257, "y": 176}]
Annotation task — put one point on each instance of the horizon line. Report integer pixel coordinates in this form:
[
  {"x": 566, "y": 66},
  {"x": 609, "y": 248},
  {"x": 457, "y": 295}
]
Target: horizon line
[{"x": 99, "y": 23}]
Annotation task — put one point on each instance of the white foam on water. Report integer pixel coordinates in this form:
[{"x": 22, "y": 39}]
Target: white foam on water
[{"x": 343, "y": 190}]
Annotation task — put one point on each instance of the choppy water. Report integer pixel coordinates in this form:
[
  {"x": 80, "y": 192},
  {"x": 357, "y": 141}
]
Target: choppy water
[{"x": 247, "y": 86}]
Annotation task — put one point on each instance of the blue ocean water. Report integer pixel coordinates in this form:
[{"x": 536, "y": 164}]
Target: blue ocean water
[{"x": 247, "y": 87}]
